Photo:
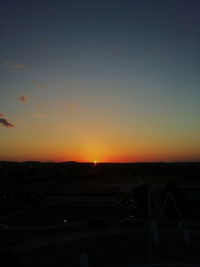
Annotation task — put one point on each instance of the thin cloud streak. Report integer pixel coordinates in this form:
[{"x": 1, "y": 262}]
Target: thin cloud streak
[
  {"x": 41, "y": 85},
  {"x": 7, "y": 124},
  {"x": 23, "y": 98},
  {"x": 41, "y": 105},
  {"x": 40, "y": 115},
  {"x": 15, "y": 66}
]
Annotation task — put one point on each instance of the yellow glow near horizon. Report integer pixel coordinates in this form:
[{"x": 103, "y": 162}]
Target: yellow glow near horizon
[{"x": 94, "y": 152}]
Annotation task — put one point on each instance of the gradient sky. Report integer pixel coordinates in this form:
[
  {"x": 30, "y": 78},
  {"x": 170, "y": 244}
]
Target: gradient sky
[{"x": 100, "y": 80}]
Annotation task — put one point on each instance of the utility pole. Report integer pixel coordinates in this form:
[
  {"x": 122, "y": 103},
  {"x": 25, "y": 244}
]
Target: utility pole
[
  {"x": 150, "y": 248},
  {"x": 84, "y": 260}
]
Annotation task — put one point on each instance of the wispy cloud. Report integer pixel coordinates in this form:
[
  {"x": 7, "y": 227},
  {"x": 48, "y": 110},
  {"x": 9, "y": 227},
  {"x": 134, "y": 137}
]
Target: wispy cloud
[
  {"x": 40, "y": 85},
  {"x": 14, "y": 65},
  {"x": 39, "y": 115},
  {"x": 58, "y": 159},
  {"x": 23, "y": 98},
  {"x": 41, "y": 105},
  {"x": 5, "y": 123}
]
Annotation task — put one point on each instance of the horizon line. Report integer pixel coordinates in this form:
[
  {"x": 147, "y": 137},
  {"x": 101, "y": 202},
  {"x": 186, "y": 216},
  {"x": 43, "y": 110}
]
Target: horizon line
[{"x": 100, "y": 162}]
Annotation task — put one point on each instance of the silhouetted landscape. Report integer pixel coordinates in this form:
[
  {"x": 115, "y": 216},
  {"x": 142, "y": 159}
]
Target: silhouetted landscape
[{"x": 42, "y": 202}]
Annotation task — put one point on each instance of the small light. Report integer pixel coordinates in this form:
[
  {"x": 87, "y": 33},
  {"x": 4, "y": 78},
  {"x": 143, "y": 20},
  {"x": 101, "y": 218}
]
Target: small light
[{"x": 65, "y": 220}]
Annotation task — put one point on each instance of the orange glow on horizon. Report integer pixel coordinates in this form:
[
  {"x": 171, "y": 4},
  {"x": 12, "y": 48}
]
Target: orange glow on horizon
[{"x": 97, "y": 152}]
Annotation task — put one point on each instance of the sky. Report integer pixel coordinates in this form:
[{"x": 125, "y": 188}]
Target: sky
[{"x": 105, "y": 81}]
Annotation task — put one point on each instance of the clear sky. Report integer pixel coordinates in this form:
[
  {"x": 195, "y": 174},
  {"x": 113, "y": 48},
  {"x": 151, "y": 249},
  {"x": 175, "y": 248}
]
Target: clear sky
[{"x": 115, "y": 81}]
